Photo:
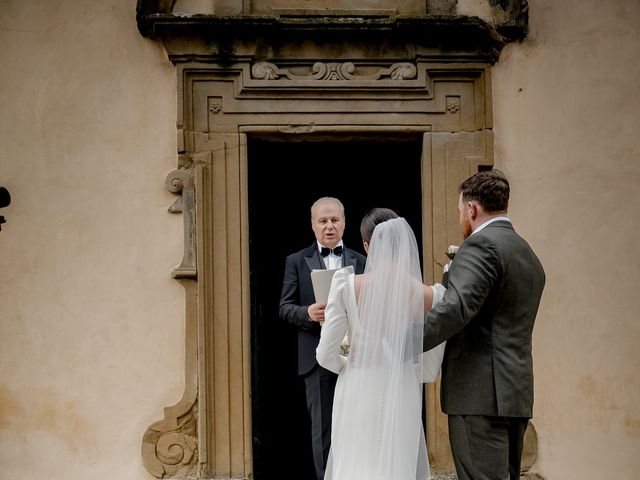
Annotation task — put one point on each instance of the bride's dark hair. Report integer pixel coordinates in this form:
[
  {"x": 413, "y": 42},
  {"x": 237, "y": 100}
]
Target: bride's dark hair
[{"x": 372, "y": 218}]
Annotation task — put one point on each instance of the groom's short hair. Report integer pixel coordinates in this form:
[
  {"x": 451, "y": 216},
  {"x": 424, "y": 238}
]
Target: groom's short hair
[{"x": 489, "y": 188}]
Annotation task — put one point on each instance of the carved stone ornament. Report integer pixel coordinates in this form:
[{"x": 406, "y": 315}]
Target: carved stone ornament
[
  {"x": 530, "y": 448},
  {"x": 329, "y": 71},
  {"x": 215, "y": 105},
  {"x": 180, "y": 181},
  {"x": 512, "y": 18},
  {"x": 170, "y": 446},
  {"x": 453, "y": 104}
]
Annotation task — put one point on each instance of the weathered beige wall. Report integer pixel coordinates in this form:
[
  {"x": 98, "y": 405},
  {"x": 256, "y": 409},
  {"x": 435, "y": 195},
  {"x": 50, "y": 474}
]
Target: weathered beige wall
[
  {"x": 91, "y": 323},
  {"x": 566, "y": 111}
]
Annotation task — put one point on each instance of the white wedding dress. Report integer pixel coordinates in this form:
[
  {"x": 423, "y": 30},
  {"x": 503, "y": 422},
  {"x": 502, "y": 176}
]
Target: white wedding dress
[{"x": 377, "y": 431}]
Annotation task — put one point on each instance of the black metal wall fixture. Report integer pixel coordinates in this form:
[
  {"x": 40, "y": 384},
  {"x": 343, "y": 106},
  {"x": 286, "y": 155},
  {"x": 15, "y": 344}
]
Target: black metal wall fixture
[{"x": 5, "y": 200}]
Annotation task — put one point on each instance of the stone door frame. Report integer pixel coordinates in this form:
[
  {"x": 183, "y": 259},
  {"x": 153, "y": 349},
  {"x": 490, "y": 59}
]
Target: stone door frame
[{"x": 208, "y": 433}]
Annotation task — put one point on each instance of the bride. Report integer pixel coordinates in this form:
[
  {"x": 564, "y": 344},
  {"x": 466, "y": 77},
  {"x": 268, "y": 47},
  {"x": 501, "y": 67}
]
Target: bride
[{"x": 377, "y": 429}]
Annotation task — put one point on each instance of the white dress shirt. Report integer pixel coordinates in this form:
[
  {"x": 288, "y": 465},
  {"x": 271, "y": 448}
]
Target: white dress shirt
[
  {"x": 332, "y": 261},
  {"x": 491, "y": 220}
]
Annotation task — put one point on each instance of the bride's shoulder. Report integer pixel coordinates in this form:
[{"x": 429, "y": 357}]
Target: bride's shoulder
[
  {"x": 341, "y": 278},
  {"x": 343, "y": 272},
  {"x": 340, "y": 285}
]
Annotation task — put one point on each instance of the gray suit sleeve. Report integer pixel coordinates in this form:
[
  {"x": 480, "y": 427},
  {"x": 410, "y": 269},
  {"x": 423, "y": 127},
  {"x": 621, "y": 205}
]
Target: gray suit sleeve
[{"x": 472, "y": 275}]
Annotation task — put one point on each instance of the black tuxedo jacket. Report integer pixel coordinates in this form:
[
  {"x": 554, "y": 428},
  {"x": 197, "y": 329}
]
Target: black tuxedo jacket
[
  {"x": 495, "y": 283},
  {"x": 297, "y": 295}
]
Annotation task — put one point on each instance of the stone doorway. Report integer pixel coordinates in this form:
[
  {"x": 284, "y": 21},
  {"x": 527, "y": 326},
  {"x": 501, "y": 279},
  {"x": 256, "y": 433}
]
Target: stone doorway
[
  {"x": 342, "y": 92},
  {"x": 300, "y": 172},
  {"x": 249, "y": 72}
]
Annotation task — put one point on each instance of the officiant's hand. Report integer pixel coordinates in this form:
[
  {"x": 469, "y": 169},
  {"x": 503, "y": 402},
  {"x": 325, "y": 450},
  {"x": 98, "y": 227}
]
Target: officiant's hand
[{"x": 315, "y": 312}]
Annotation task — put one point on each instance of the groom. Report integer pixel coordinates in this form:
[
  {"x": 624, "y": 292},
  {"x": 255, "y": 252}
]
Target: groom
[
  {"x": 299, "y": 307},
  {"x": 494, "y": 287}
]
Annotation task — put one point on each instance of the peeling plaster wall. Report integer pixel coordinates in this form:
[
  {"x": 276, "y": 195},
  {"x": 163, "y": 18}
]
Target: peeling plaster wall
[
  {"x": 566, "y": 105},
  {"x": 91, "y": 322}
]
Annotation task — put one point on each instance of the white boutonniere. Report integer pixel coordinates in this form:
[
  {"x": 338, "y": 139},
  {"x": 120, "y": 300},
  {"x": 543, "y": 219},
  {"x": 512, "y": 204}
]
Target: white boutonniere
[{"x": 451, "y": 253}]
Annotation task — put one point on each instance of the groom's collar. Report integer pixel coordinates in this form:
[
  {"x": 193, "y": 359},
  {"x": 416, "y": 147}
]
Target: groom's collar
[{"x": 491, "y": 220}]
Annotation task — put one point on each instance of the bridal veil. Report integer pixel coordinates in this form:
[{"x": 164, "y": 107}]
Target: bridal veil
[{"x": 377, "y": 431}]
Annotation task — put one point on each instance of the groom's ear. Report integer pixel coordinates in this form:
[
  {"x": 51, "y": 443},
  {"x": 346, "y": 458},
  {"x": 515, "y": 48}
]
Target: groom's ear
[{"x": 473, "y": 210}]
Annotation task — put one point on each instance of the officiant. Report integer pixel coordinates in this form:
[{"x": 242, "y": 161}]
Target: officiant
[{"x": 299, "y": 307}]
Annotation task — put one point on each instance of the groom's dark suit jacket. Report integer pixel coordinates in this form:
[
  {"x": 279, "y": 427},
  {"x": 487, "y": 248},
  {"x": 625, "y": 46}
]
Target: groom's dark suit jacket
[
  {"x": 494, "y": 287},
  {"x": 297, "y": 295}
]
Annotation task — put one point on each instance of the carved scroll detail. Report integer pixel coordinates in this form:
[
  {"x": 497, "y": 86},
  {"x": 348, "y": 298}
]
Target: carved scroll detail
[
  {"x": 170, "y": 446},
  {"x": 330, "y": 71},
  {"x": 181, "y": 182},
  {"x": 264, "y": 71},
  {"x": 403, "y": 71}
]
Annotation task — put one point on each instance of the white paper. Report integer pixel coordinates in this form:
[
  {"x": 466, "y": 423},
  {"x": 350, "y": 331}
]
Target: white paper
[{"x": 321, "y": 281}]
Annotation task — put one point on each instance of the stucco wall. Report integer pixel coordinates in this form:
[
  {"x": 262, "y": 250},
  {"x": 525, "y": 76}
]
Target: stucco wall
[
  {"x": 91, "y": 323},
  {"x": 566, "y": 105}
]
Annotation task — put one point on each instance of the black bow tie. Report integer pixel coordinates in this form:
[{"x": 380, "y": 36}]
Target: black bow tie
[{"x": 324, "y": 251}]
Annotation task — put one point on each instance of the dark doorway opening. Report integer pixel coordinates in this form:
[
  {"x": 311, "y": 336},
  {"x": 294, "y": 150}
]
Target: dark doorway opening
[{"x": 284, "y": 179}]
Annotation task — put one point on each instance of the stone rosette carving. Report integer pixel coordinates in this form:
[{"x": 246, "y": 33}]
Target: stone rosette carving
[
  {"x": 331, "y": 71},
  {"x": 453, "y": 104},
  {"x": 215, "y": 105}
]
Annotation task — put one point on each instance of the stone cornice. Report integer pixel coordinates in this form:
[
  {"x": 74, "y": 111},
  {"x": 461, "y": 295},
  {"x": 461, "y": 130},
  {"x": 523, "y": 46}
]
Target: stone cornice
[{"x": 209, "y": 35}]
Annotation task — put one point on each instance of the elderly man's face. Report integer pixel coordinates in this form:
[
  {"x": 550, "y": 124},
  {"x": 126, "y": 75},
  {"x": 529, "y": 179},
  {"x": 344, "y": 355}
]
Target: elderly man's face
[{"x": 328, "y": 223}]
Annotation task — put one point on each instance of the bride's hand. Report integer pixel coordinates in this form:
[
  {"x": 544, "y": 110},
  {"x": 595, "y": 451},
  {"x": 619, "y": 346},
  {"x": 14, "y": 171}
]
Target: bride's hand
[{"x": 432, "y": 295}]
